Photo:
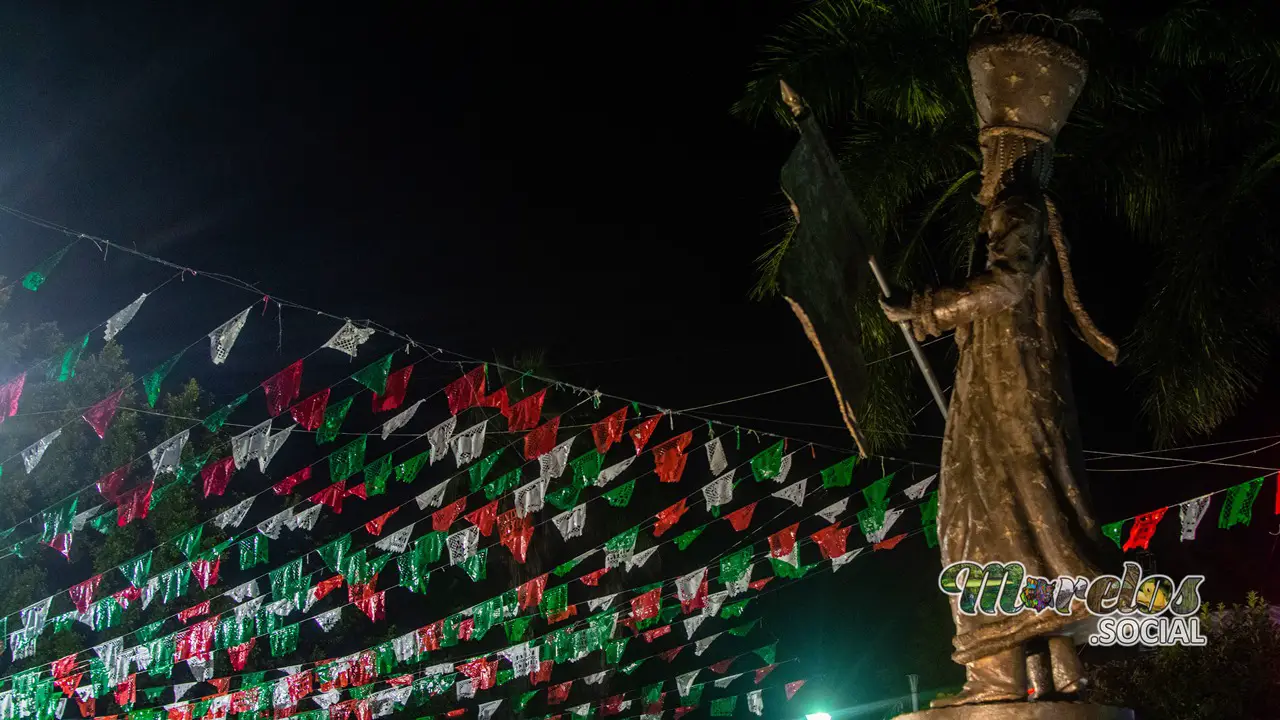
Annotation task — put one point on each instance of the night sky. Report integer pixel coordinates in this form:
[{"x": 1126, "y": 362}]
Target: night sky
[{"x": 493, "y": 181}]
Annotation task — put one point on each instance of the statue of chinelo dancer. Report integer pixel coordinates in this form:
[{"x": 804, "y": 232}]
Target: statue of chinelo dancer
[{"x": 1011, "y": 484}]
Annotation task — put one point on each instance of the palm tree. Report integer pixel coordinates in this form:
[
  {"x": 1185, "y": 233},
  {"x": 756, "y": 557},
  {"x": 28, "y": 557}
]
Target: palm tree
[{"x": 1171, "y": 157}]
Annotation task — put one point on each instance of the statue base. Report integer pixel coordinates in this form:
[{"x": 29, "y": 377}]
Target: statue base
[{"x": 1023, "y": 711}]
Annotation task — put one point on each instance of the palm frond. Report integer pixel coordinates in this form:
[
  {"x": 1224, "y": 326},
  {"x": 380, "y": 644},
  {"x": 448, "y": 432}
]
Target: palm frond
[
  {"x": 1173, "y": 144},
  {"x": 886, "y": 418}
]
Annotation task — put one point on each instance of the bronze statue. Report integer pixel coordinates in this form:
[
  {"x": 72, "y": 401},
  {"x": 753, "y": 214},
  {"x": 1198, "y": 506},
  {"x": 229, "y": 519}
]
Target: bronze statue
[{"x": 1011, "y": 486}]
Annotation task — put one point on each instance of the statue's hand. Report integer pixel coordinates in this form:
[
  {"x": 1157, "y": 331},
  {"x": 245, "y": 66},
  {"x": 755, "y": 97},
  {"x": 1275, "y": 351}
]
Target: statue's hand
[{"x": 897, "y": 307}]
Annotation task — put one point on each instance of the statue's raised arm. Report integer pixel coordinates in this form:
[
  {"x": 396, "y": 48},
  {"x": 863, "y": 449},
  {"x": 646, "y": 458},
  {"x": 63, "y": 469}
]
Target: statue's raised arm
[{"x": 1015, "y": 228}]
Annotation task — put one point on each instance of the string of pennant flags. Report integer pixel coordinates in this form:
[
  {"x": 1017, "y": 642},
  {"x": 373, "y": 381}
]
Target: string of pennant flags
[
  {"x": 141, "y": 581},
  {"x": 404, "y": 692},
  {"x": 59, "y": 519},
  {"x": 565, "y": 522},
  {"x": 35, "y": 692},
  {"x": 370, "y": 326},
  {"x": 290, "y": 589},
  {"x": 62, "y": 364},
  {"x": 258, "y": 443},
  {"x": 34, "y": 278},
  {"x": 348, "y": 338},
  {"x": 632, "y": 665},
  {"x": 403, "y": 647},
  {"x": 101, "y": 414},
  {"x": 328, "y": 698},
  {"x": 384, "y": 661},
  {"x": 1237, "y": 509},
  {"x": 727, "y": 613},
  {"x": 280, "y": 389},
  {"x": 633, "y": 541},
  {"x": 403, "y": 541}
]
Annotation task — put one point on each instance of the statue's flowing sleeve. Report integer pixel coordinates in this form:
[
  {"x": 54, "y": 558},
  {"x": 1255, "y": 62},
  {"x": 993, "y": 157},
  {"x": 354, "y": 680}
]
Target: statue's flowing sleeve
[{"x": 1013, "y": 258}]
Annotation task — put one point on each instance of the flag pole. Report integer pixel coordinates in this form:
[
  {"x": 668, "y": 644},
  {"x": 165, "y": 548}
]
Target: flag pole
[
  {"x": 916, "y": 351},
  {"x": 845, "y": 247}
]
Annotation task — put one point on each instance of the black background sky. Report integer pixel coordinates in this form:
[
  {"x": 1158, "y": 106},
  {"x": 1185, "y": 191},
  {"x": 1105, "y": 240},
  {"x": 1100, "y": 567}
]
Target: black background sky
[{"x": 493, "y": 179}]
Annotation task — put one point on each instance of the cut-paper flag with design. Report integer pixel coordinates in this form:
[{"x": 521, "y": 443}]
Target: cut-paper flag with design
[
  {"x": 715, "y": 457},
  {"x": 718, "y": 492},
  {"x": 283, "y": 388},
  {"x": 271, "y": 445},
  {"x": 374, "y": 375},
  {"x": 833, "y": 511},
  {"x": 288, "y": 483},
  {"x": 10, "y": 393},
  {"x": 640, "y": 558},
  {"x": 100, "y": 415},
  {"x": 400, "y": 420},
  {"x": 1191, "y": 513},
  {"x": 469, "y": 444},
  {"x": 611, "y": 473},
  {"x": 465, "y": 392},
  {"x": 133, "y": 504},
  {"x": 1144, "y": 527},
  {"x": 224, "y": 337},
  {"x": 531, "y": 497},
  {"x": 768, "y": 463},
  {"x": 608, "y": 431},
  {"x": 782, "y": 544},
  {"x": 667, "y": 518},
  {"x": 793, "y": 493},
  {"x": 917, "y": 490},
  {"x": 310, "y": 412},
  {"x": 32, "y": 454},
  {"x": 439, "y": 437},
  {"x": 1237, "y": 505},
  {"x": 551, "y": 465},
  {"x": 831, "y": 540},
  {"x": 397, "y": 386},
  {"x": 215, "y": 476},
  {"x": 641, "y": 433},
  {"x": 541, "y": 440},
  {"x": 740, "y": 519},
  {"x": 669, "y": 458},
  {"x": 349, "y": 338},
  {"x": 234, "y": 515},
  {"x": 571, "y": 523},
  {"x": 527, "y": 413},
  {"x": 249, "y": 444},
  {"x": 117, "y": 322}
]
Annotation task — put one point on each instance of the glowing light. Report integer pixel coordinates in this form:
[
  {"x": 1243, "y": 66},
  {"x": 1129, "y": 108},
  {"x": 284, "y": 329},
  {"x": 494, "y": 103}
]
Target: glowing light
[{"x": 817, "y": 716}]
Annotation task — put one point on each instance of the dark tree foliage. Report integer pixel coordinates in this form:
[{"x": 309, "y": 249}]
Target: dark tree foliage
[
  {"x": 1171, "y": 155},
  {"x": 1235, "y": 676},
  {"x": 77, "y": 459}
]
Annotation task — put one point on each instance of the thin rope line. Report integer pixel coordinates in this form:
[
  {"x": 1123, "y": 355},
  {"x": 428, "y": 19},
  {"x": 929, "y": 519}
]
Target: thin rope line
[
  {"x": 18, "y": 280},
  {"x": 1104, "y": 455},
  {"x": 142, "y": 378},
  {"x": 50, "y": 358}
]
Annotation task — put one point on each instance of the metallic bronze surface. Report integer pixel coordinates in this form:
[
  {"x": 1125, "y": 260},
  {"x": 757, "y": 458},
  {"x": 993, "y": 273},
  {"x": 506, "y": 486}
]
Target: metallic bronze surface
[
  {"x": 1011, "y": 486},
  {"x": 825, "y": 265},
  {"x": 1023, "y": 711}
]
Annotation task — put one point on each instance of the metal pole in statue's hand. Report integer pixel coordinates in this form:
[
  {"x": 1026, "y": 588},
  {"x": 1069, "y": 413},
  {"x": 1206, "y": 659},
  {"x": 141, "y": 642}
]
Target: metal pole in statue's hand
[{"x": 916, "y": 351}]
